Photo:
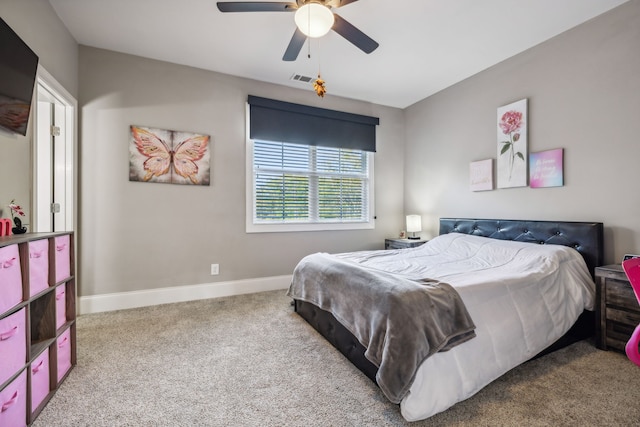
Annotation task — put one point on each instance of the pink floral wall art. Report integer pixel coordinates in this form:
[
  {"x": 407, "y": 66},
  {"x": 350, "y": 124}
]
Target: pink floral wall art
[
  {"x": 481, "y": 175},
  {"x": 512, "y": 145},
  {"x": 168, "y": 156},
  {"x": 546, "y": 169}
]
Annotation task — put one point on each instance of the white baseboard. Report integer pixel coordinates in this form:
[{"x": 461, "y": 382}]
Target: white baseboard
[{"x": 134, "y": 299}]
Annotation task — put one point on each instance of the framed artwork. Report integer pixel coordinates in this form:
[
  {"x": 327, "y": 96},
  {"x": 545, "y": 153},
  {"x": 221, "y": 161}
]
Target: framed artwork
[
  {"x": 481, "y": 175},
  {"x": 512, "y": 145},
  {"x": 547, "y": 168},
  {"x": 168, "y": 156}
]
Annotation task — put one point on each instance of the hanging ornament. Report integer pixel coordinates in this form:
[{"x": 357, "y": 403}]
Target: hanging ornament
[{"x": 318, "y": 85}]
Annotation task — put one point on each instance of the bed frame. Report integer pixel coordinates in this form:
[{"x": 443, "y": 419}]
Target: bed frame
[{"x": 585, "y": 237}]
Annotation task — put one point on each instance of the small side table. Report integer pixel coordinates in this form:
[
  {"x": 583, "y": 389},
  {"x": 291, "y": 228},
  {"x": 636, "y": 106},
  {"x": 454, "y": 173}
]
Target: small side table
[
  {"x": 617, "y": 310},
  {"x": 403, "y": 243}
]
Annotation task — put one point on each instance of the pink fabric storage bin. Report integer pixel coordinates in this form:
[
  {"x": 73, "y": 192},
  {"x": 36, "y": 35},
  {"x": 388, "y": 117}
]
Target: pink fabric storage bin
[
  {"x": 10, "y": 278},
  {"x": 13, "y": 402},
  {"x": 13, "y": 345},
  {"x": 63, "y": 257},
  {"x": 64, "y": 353},
  {"x": 61, "y": 306},
  {"x": 39, "y": 379},
  {"x": 38, "y": 266}
]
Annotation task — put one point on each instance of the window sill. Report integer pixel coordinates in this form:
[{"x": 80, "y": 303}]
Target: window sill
[{"x": 285, "y": 228}]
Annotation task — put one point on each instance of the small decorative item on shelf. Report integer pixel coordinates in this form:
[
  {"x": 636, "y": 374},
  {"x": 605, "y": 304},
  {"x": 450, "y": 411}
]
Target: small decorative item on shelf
[
  {"x": 16, "y": 212},
  {"x": 5, "y": 227}
]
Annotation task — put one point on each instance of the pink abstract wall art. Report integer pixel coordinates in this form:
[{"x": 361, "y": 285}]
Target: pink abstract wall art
[{"x": 546, "y": 169}]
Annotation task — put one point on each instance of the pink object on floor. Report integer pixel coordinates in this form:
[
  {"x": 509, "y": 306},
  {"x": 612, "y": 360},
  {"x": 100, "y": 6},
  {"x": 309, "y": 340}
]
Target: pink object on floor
[{"x": 632, "y": 270}]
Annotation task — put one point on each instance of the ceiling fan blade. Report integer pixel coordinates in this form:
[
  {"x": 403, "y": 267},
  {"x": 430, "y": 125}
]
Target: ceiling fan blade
[
  {"x": 256, "y": 6},
  {"x": 295, "y": 45},
  {"x": 354, "y": 35},
  {"x": 346, "y": 2}
]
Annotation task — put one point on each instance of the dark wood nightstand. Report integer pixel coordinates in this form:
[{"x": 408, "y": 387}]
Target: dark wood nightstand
[
  {"x": 403, "y": 243},
  {"x": 617, "y": 310}
]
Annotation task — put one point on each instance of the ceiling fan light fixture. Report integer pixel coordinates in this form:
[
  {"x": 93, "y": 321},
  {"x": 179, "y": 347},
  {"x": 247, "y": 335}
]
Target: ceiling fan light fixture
[{"x": 314, "y": 19}]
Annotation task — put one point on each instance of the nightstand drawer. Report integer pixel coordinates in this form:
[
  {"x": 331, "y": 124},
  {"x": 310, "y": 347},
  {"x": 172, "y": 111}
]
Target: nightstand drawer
[
  {"x": 617, "y": 334},
  {"x": 625, "y": 317},
  {"x": 403, "y": 243},
  {"x": 620, "y": 294}
]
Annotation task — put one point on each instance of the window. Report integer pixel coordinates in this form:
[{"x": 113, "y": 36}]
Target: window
[
  {"x": 294, "y": 183},
  {"x": 304, "y": 176}
]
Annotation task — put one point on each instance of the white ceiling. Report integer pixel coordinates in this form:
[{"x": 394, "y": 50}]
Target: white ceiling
[{"x": 425, "y": 45}]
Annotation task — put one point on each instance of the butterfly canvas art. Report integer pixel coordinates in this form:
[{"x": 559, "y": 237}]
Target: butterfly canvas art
[{"x": 168, "y": 156}]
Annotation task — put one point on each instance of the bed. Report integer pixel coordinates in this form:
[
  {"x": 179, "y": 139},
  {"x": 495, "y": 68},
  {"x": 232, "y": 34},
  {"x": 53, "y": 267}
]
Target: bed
[{"x": 516, "y": 317}]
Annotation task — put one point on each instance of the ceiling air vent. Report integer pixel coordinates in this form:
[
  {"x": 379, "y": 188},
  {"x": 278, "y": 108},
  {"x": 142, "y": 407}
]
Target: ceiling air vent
[{"x": 301, "y": 78}]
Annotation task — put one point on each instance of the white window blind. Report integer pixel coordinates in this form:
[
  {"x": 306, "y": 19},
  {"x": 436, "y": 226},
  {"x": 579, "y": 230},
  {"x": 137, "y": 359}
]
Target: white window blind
[{"x": 297, "y": 183}]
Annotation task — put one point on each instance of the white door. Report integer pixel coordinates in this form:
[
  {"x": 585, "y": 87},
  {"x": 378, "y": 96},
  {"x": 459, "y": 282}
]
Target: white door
[{"x": 53, "y": 197}]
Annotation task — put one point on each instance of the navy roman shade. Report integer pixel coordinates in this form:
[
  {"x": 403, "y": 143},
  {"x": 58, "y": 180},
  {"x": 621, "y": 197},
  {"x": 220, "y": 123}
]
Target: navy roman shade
[{"x": 280, "y": 121}]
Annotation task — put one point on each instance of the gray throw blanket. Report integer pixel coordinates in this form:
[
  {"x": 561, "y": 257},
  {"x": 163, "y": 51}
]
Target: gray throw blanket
[{"x": 399, "y": 321}]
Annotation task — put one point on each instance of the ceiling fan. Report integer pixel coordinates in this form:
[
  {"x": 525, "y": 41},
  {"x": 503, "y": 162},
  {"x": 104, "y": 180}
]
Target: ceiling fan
[{"x": 313, "y": 18}]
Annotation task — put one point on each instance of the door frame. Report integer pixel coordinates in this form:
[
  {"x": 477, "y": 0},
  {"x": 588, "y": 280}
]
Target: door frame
[{"x": 70, "y": 105}]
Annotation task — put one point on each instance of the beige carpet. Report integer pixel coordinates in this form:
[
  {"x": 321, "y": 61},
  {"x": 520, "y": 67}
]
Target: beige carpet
[{"x": 250, "y": 361}]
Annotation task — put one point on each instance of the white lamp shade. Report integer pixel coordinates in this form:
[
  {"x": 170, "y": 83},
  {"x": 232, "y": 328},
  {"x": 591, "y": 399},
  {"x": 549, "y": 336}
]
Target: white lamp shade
[
  {"x": 414, "y": 223},
  {"x": 314, "y": 19}
]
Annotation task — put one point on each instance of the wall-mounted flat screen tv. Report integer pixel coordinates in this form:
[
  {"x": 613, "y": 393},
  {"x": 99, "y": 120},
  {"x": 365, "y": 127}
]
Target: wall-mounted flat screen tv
[{"x": 18, "y": 68}]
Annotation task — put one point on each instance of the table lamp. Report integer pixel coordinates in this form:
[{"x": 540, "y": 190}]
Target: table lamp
[{"x": 414, "y": 225}]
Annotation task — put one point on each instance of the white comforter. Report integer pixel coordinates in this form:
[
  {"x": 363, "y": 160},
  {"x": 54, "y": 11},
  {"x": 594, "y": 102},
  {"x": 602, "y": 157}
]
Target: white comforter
[{"x": 521, "y": 296}]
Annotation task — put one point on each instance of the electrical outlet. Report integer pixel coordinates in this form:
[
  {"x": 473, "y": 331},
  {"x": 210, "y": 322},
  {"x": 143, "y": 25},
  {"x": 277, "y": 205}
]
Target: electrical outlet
[{"x": 215, "y": 269}]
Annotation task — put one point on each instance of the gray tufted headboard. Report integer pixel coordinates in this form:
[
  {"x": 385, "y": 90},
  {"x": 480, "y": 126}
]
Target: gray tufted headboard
[{"x": 585, "y": 237}]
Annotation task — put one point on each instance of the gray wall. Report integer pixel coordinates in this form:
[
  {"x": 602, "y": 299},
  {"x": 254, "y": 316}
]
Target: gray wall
[
  {"x": 38, "y": 25},
  {"x": 136, "y": 236},
  {"x": 584, "y": 96},
  {"x": 582, "y": 88}
]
